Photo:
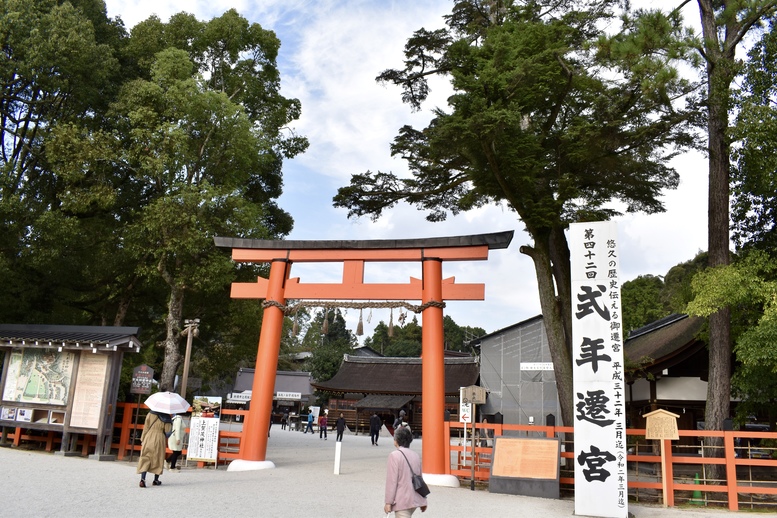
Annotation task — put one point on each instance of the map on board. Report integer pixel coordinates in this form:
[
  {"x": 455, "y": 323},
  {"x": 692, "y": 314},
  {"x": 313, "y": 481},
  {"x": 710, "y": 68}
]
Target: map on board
[{"x": 39, "y": 376}]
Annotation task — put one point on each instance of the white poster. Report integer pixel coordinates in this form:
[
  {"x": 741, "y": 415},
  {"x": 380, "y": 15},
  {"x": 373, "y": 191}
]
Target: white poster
[
  {"x": 88, "y": 395},
  {"x": 203, "y": 439},
  {"x": 597, "y": 364}
]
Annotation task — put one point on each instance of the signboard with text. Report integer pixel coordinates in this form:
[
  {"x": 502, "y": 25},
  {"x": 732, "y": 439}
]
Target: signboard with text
[
  {"x": 142, "y": 376},
  {"x": 203, "y": 439},
  {"x": 465, "y": 412},
  {"x": 292, "y": 396},
  {"x": 597, "y": 365}
]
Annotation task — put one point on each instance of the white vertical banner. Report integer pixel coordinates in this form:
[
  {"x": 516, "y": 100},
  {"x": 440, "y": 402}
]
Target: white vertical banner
[{"x": 597, "y": 365}]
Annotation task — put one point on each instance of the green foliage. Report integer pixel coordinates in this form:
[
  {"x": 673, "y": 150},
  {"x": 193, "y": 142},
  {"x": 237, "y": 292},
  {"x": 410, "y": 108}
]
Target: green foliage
[
  {"x": 532, "y": 120},
  {"x": 753, "y": 183},
  {"x": 649, "y": 298},
  {"x": 549, "y": 117},
  {"x": 756, "y": 388},
  {"x": 751, "y": 286},
  {"x": 743, "y": 282},
  {"x": 407, "y": 340},
  {"x": 458, "y": 338},
  {"x": 677, "y": 291},
  {"x": 56, "y": 67},
  {"x": 327, "y": 347},
  {"x": 641, "y": 299},
  {"x": 123, "y": 157}
]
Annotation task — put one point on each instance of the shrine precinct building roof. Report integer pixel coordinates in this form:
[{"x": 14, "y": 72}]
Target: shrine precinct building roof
[
  {"x": 496, "y": 240},
  {"x": 665, "y": 343},
  {"x": 398, "y": 376},
  {"x": 69, "y": 337}
]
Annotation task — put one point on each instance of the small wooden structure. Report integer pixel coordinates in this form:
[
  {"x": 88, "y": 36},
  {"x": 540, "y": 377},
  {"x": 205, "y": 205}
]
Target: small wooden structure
[
  {"x": 63, "y": 379},
  {"x": 662, "y": 426}
]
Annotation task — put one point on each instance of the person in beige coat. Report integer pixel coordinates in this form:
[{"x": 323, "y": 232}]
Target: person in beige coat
[
  {"x": 400, "y": 496},
  {"x": 156, "y": 429}
]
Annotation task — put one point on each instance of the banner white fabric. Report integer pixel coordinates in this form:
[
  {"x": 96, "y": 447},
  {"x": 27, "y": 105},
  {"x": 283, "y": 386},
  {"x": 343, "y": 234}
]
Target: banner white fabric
[{"x": 597, "y": 364}]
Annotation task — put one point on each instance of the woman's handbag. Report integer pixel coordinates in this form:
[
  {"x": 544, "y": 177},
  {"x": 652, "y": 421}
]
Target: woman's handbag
[{"x": 418, "y": 481}]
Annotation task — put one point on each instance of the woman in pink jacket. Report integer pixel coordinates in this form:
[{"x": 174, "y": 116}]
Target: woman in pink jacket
[{"x": 400, "y": 495}]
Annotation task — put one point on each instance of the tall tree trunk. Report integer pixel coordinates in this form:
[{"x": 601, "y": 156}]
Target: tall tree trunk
[
  {"x": 553, "y": 320},
  {"x": 173, "y": 334},
  {"x": 720, "y": 74},
  {"x": 562, "y": 274}
]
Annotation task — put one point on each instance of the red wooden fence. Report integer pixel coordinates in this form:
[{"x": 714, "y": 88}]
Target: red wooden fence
[{"x": 732, "y": 456}]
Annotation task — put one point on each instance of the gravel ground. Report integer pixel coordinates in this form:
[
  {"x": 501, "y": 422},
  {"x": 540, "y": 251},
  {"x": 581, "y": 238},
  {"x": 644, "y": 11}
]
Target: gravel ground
[{"x": 39, "y": 484}]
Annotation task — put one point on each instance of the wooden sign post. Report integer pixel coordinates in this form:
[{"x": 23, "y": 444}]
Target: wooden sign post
[
  {"x": 662, "y": 425},
  {"x": 472, "y": 395}
]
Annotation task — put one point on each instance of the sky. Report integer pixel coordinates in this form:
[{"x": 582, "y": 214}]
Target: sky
[{"x": 331, "y": 52}]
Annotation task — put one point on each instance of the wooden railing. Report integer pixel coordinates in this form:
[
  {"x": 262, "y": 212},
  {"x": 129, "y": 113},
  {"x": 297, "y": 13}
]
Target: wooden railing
[{"x": 732, "y": 488}]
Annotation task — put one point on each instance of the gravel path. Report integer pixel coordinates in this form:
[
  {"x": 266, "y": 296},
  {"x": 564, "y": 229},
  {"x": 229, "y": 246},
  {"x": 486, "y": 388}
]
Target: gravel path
[{"x": 38, "y": 484}]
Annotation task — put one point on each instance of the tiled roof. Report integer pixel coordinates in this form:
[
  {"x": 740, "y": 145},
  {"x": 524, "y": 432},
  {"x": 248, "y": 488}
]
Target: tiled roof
[
  {"x": 665, "y": 342},
  {"x": 494, "y": 240},
  {"x": 285, "y": 381},
  {"x": 381, "y": 401},
  {"x": 396, "y": 375},
  {"x": 67, "y": 336}
]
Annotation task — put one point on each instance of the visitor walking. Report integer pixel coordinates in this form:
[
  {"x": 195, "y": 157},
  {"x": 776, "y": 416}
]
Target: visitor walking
[
  {"x": 340, "y": 426},
  {"x": 375, "y": 425},
  {"x": 175, "y": 441},
  {"x": 156, "y": 428}
]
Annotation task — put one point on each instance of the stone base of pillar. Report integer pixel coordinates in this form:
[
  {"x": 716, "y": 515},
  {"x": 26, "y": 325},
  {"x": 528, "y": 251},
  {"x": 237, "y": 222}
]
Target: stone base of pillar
[
  {"x": 441, "y": 480},
  {"x": 250, "y": 465}
]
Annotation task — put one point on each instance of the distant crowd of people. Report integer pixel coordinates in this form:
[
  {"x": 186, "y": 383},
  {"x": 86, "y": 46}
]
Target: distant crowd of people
[{"x": 376, "y": 424}]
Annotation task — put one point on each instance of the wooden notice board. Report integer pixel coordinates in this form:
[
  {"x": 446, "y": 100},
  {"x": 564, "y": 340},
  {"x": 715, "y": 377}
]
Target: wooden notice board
[
  {"x": 661, "y": 424},
  {"x": 88, "y": 396},
  {"x": 525, "y": 466}
]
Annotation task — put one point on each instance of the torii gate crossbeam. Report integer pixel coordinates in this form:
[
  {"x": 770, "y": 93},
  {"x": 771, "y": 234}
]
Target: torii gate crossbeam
[{"x": 432, "y": 288}]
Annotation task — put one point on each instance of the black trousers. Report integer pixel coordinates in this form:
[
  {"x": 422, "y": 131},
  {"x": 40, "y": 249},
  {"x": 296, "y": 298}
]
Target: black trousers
[{"x": 173, "y": 458}]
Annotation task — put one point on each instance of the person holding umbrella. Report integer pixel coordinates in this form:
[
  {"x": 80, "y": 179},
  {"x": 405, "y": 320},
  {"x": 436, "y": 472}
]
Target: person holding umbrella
[
  {"x": 153, "y": 442},
  {"x": 156, "y": 430}
]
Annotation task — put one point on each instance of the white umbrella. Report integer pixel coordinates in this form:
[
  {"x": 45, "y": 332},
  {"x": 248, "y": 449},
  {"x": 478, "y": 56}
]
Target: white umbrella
[{"x": 167, "y": 403}]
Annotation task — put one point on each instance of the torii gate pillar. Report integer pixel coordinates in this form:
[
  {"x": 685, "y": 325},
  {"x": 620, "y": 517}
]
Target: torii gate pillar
[
  {"x": 256, "y": 427},
  {"x": 433, "y": 371},
  {"x": 432, "y": 290}
]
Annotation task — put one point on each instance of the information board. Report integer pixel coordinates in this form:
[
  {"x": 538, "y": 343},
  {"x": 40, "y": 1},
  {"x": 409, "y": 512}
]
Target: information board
[
  {"x": 661, "y": 424},
  {"x": 142, "y": 376},
  {"x": 203, "y": 439},
  {"x": 39, "y": 377},
  {"x": 526, "y": 458},
  {"x": 88, "y": 395},
  {"x": 526, "y": 466}
]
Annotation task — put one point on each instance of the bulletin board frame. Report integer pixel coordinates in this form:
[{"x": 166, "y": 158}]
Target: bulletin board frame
[{"x": 526, "y": 466}]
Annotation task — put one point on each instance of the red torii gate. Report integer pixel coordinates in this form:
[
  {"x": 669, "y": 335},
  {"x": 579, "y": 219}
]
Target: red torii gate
[{"x": 432, "y": 290}]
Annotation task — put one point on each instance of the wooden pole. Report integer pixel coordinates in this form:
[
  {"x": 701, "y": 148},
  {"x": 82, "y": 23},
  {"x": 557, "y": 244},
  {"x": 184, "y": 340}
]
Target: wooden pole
[
  {"x": 664, "y": 481},
  {"x": 472, "y": 420},
  {"x": 134, "y": 428}
]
